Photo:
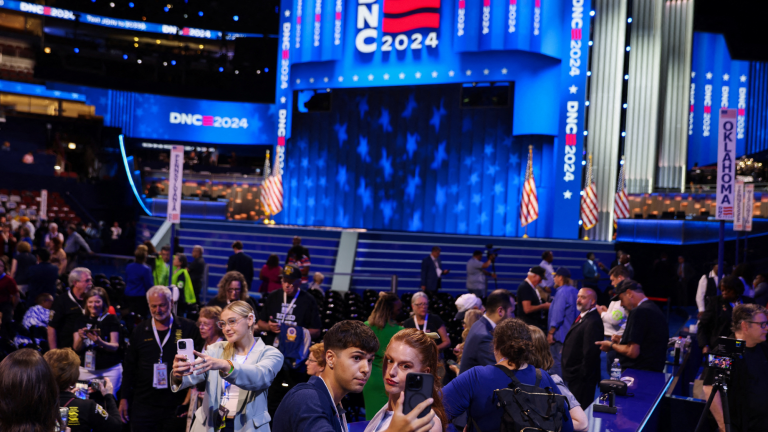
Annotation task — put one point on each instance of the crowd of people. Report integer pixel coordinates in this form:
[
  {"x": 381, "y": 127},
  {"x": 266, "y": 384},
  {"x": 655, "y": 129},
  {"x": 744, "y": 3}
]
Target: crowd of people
[{"x": 282, "y": 362}]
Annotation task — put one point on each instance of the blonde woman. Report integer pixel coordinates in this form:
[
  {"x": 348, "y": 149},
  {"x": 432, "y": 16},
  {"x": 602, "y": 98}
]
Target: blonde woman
[{"x": 237, "y": 374}]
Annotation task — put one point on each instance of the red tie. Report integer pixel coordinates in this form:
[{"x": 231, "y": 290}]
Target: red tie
[{"x": 578, "y": 318}]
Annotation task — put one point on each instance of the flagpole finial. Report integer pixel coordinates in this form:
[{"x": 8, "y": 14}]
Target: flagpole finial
[{"x": 530, "y": 149}]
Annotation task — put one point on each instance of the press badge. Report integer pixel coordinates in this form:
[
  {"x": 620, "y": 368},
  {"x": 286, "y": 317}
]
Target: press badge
[
  {"x": 160, "y": 376},
  {"x": 90, "y": 360}
]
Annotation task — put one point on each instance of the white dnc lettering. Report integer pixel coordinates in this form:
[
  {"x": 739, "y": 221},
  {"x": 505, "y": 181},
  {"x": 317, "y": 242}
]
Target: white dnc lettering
[
  {"x": 337, "y": 24},
  {"x": 285, "y": 62},
  {"x": 461, "y": 20},
  {"x": 206, "y": 120},
  {"x": 571, "y": 128},
  {"x": 577, "y": 22},
  {"x": 45, "y": 10},
  {"x": 367, "y": 23},
  {"x": 707, "y": 108},
  {"x": 690, "y": 113},
  {"x": 487, "y": 18},
  {"x": 512, "y": 17},
  {"x": 724, "y": 97},
  {"x": 536, "y": 21},
  {"x": 169, "y": 29},
  {"x": 740, "y": 126},
  {"x": 299, "y": 8},
  {"x": 282, "y": 116},
  {"x": 318, "y": 11},
  {"x": 281, "y": 157}
]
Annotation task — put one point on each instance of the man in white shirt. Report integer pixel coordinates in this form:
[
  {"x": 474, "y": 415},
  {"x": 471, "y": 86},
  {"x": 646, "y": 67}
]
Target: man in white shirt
[
  {"x": 548, "y": 281},
  {"x": 614, "y": 316},
  {"x": 707, "y": 288}
]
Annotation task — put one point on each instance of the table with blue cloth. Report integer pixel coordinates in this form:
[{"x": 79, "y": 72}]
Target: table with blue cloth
[
  {"x": 634, "y": 413},
  {"x": 473, "y": 392}
]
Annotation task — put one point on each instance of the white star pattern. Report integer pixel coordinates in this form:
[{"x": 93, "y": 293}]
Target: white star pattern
[
  {"x": 418, "y": 74},
  {"x": 298, "y": 80},
  {"x": 567, "y": 194},
  {"x": 726, "y": 77},
  {"x": 504, "y": 71},
  {"x": 341, "y": 79},
  {"x": 573, "y": 89},
  {"x": 282, "y": 99},
  {"x": 709, "y": 75},
  {"x": 486, "y": 72},
  {"x": 402, "y": 75},
  {"x": 386, "y": 76},
  {"x": 450, "y": 73},
  {"x": 434, "y": 74},
  {"x": 693, "y": 74},
  {"x": 311, "y": 80},
  {"x": 743, "y": 78},
  {"x": 287, "y": 13},
  {"x": 370, "y": 77},
  {"x": 469, "y": 72},
  {"x": 325, "y": 79},
  {"x": 355, "y": 78}
]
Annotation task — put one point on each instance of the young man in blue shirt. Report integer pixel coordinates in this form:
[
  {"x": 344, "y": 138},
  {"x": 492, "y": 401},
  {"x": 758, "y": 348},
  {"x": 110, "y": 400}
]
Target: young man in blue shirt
[{"x": 316, "y": 405}]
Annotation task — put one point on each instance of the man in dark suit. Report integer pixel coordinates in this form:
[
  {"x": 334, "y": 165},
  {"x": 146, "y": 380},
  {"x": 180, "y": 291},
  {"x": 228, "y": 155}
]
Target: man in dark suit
[
  {"x": 590, "y": 271},
  {"x": 716, "y": 319},
  {"x": 581, "y": 357},
  {"x": 432, "y": 271},
  {"x": 478, "y": 347},
  {"x": 42, "y": 277},
  {"x": 241, "y": 262}
]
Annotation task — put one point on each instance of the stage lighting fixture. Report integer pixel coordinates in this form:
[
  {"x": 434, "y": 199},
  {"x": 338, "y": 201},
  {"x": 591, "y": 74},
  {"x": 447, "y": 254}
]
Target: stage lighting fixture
[
  {"x": 135, "y": 39},
  {"x": 77, "y": 50},
  {"x": 72, "y": 146},
  {"x": 266, "y": 69},
  {"x": 221, "y": 69},
  {"x": 258, "y": 72},
  {"x": 627, "y": 49},
  {"x": 166, "y": 8},
  {"x": 130, "y": 4},
  {"x": 138, "y": 61},
  {"x": 173, "y": 62},
  {"x": 237, "y": 72},
  {"x": 112, "y": 4},
  {"x": 136, "y": 45},
  {"x": 202, "y": 46},
  {"x": 629, "y": 20},
  {"x": 625, "y": 106},
  {"x": 47, "y": 50},
  {"x": 125, "y": 56},
  {"x": 157, "y": 41},
  {"x": 626, "y": 77},
  {"x": 623, "y": 134},
  {"x": 200, "y": 13},
  {"x": 165, "y": 63},
  {"x": 56, "y": 167},
  {"x": 186, "y": 16},
  {"x": 236, "y": 18}
]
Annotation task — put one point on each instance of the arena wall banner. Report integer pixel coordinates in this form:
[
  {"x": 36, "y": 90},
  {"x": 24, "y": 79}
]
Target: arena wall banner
[
  {"x": 539, "y": 45},
  {"x": 175, "y": 182},
  {"x": 726, "y": 164}
]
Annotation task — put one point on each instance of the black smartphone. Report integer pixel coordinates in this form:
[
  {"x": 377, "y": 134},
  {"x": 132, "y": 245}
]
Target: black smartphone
[{"x": 418, "y": 388}]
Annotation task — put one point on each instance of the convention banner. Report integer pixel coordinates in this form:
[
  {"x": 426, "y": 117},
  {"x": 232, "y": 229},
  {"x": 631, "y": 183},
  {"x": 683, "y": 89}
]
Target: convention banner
[
  {"x": 749, "y": 205},
  {"x": 43, "y": 204},
  {"x": 175, "y": 182},
  {"x": 738, "y": 216},
  {"x": 726, "y": 164}
]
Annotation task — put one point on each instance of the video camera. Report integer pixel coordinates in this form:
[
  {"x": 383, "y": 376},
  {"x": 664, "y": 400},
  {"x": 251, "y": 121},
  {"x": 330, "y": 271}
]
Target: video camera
[
  {"x": 721, "y": 358},
  {"x": 491, "y": 253}
]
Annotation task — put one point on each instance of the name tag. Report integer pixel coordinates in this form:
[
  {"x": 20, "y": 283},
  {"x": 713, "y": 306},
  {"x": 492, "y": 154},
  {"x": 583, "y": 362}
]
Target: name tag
[
  {"x": 90, "y": 360},
  {"x": 160, "y": 376}
]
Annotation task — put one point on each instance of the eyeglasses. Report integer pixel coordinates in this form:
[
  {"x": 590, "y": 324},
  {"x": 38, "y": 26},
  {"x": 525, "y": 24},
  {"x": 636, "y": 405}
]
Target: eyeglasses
[
  {"x": 763, "y": 324},
  {"x": 204, "y": 324},
  {"x": 230, "y": 322},
  {"x": 234, "y": 290},
  {"x": 309, "y": 360},
  {"x": 420, "y": 304}
]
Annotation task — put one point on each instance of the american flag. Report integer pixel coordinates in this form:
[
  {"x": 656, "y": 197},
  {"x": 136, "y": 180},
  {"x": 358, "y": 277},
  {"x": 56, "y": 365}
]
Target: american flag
[
  {"x": 589, "y": 200},
  {"x": 529, "y": 210},
  {"x": 272, "y": 192},
  {"x": 621, "y": 202}
]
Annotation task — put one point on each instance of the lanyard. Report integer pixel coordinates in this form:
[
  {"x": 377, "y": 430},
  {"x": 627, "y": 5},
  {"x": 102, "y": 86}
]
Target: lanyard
[
  {"x": 157, "y": 338},
  {"x": 75, "y": 301},
  {"x": 426, "y": 318},
  {"x": 290, "y": 306},
  {"x": 342, "y": 420},
  {"x": 227, "y": 384}
]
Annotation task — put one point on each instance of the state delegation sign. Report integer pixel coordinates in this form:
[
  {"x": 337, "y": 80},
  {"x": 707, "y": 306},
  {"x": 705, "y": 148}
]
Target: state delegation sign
[{"x": 726, "y": 166}]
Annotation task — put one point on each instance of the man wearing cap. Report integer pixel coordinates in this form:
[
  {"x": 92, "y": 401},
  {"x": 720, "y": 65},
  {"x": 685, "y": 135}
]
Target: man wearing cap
[
  {"x": 562, "y": 314},
  {"x": 530, "y": 308},
  {"x": 294, "y": 307},
  {"x": 581, "y": 357},
  {"x": 644, "y": 343},
  {"x": 467, "y": 302}
]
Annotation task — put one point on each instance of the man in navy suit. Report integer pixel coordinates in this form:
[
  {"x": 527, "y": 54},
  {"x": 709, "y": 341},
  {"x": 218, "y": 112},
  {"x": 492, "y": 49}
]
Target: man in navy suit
[
  {"x": 478, "y": 347},
  {"x": 42, "y": 277},
  {"x": 581, "y": 356},
  {"x": 432, "y": 270},
  {"x": 590, "y": 271},
  {"x": 241, "y": 262}
]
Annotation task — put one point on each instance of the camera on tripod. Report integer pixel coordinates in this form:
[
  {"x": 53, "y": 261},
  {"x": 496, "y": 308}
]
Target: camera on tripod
[
  {"x": 721, "y": 358},
  {"x": 491, "y": 253}
]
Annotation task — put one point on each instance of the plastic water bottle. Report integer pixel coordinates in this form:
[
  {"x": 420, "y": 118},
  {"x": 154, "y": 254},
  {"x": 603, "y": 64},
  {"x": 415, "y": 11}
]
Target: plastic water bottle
[{"x": 616, "y": 370}]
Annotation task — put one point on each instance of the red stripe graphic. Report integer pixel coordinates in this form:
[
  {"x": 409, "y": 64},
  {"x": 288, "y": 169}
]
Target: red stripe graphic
[
  {"x": 570, "y": 139},
  {"x": 486, "y": 3},
  {"x": 46, "y": 10},
  {"x": 286, "y": 53},
  {"x": 691, "y": 108},
  {"x": 298, "y": 19},
  {"x": 708, "y": 109},
  {"x": 576, "y": 34},
  {"x": 207, "y": 120},
  {"x": 513, "y": 2},
  {"x": 317, "y": 17},
  {"x": 741, "y": 112},
  {"x": 281, "y": 141},
  {"x": 338, "y": 16},
  {"x": 538, "y": 3},
  {"x": 404, "y": 24},
  {"x": 402, "y": 6},
  {"x": 462, "y": 4}
]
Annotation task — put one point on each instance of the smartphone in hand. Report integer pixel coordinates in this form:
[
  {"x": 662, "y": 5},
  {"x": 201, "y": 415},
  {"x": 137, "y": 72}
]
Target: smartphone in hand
[
  {"x": 186, "y": 348},
  {"x": 418, "y": 388}
]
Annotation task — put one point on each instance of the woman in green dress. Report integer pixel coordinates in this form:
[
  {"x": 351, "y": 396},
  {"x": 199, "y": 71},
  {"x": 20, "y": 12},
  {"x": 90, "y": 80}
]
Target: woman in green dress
[{"x": 382, "y": 322}]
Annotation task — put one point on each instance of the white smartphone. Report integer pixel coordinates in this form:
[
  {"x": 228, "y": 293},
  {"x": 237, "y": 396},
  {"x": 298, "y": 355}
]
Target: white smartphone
[{"x": 186, "y": 348}]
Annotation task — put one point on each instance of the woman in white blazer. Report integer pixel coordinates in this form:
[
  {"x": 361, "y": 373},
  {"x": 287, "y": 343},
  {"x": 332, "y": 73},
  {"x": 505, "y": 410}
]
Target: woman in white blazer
[{"x": 237, "y": 373}]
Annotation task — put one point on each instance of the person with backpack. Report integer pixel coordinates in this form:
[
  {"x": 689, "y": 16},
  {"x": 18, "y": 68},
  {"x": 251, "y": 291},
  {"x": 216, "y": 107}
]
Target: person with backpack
[{"x": 477, "y": 391}]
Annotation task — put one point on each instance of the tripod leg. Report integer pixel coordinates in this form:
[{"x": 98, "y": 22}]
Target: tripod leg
[
  {"x": 726, "y": 409},
  {"x": 702, "y": 419}
]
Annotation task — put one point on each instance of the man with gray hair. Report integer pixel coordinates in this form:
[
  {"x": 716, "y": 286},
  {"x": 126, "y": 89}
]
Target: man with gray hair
[
  {"x": 196, "y": 270},
  {"x": 147, "y": 400},
  {"x": 68, "y": 309}
]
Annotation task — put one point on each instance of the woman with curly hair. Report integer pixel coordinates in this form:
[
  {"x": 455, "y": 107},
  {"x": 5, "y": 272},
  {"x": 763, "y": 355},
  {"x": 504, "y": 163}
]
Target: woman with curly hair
[
  {"x": 472, "y": 392},
  {"x": 232, "y": 287}
]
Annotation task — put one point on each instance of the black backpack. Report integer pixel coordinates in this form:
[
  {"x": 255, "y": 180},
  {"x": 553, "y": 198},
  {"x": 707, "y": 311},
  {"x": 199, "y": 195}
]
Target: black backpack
[{"x": 529, "y": 407}]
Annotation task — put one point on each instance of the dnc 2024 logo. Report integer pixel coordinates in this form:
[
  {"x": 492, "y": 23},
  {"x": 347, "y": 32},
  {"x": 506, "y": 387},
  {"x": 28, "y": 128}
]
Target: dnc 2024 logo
[{"x": 401, "y": 24}]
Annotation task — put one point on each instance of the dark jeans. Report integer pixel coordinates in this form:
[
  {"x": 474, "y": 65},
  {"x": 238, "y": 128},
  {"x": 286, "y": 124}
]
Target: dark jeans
[{"x": 148, "y": 418}]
